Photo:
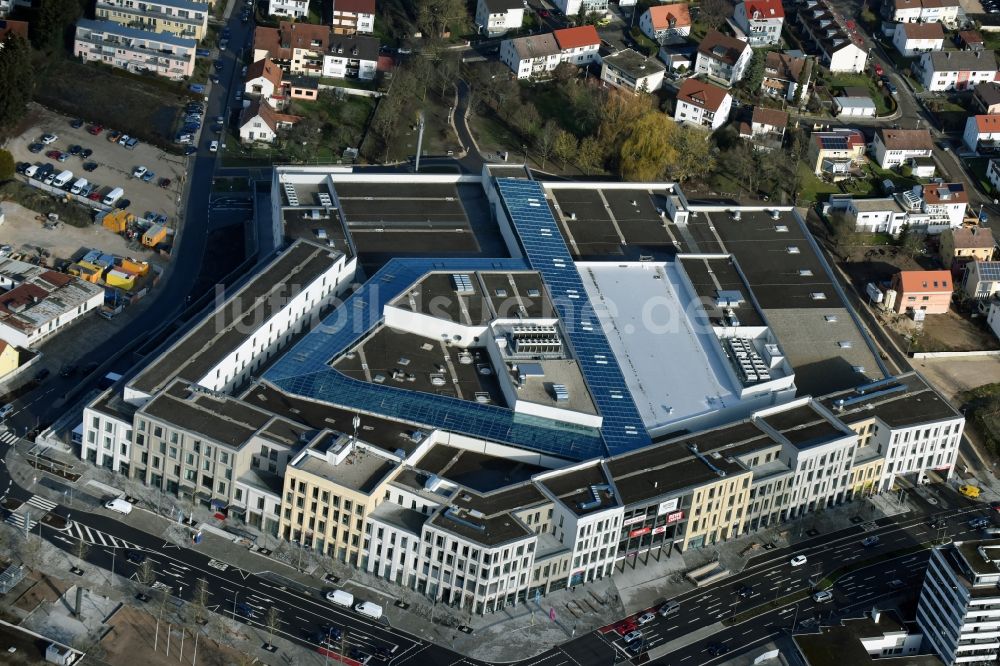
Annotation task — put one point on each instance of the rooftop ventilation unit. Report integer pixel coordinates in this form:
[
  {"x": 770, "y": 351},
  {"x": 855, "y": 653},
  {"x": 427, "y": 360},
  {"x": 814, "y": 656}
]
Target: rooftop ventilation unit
[
  {"x": 457, "y": 515},
  {"x": 561, "y": 392},
  {"x": 737, "y": 215},
  {"x": 775, "y": 214},
  {"x": 462, "y": 283}
]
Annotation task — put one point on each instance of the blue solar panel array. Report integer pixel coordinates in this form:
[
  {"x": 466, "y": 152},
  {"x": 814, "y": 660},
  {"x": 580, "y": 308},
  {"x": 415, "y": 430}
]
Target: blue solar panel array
[
  {"x": 304, "y": 370},
  {"x": 546, "y": 252}
]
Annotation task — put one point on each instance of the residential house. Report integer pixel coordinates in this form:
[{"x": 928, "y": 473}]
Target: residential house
[
  {"x": 303, "y": 87},
  {"x": 531, "y": 57},
  {"x": 893, "y": 147},
  {"x": 578, "y": 46},
  {"x": 836, "y": 153},
  {"x": 351, "y": 57},
  {"x": 970, "y": 40},
  {"x": 722, "y": 57},
  {"x": 702, "y": 104},
  {"x": 982, "y": 280},
  {"x": 760, "y": 21},
  {"x": 982, "y": 133},
  {"x": 263, "y": 81},
  {"x": 964, "y": 244},
  {"x": 134, "y": 50},
  {"x": 497, "y": 17},
  {"x": 352, "y": 16},
  {"x": 767, "y": 127},
  {"x": 293, "y": 9},
  {"x": 912, "y": 39},
  {"x": 927, "y": 291},
  {"x": 955, "y": 70},
  {"x": 10, "y": 27},
  {"x": 923, "y": 11},
  {"x": 993, "y": 317},
  {"x": 41, "y": 303},
  {"x": 880, "y": 215},
  {"x": 986, "y": 97},
  {"x": 260, "y": 122},
  {"x": 632, "y": 71},
  {"x": 993, "y": 174},
  {"x": 679, "y": 58},
  {"x": 666, "y": 24},
  {"x": 183, "y": 18},
  {"x": 574, "y": 7},
  {"x": 10, "y": 358},
  {"x": 946, "y": 203},
  {"x": 825, "y": 32},
  {"x": 854, "y": 107},
  {"x": 784, "y": 74}
]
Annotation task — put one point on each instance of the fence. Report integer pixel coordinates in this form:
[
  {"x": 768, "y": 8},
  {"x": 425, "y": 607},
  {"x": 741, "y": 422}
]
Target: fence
[{"x": 954, "y": 354}]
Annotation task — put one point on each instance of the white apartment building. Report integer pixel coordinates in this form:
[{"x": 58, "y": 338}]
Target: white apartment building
[
  {"x": 925, "y": 11},
  {"x": 353, "y": 16},
  {"x": 955, "y": 70},
  {"x": 722, "y": 57},
  {"x": 912, "y": 39},
  {"x": 959, "y": 607},
  {"x": 982, "y": 131},
  {"x": 826, "y": 32},
  {"x": 533, "y": 56},
  {"x": 351, "y": 57},
  {"x": 945, "y": 203},
  {"x": 578, "y": 46},
  {"x": 881, "y": 215},
  {"x": 574, "y": 7},
  {"x": 497, "y": 17},
  {"x": 135, "y": 50},
  {"x": 702, "y": 104},
  {"x": 760, "y": 20},
  {"x": 183, "y": 18},
  {"x": 894, "y": 147},
  {"x": 666, "y": 24},
  {"x": 293, "y": 9}
]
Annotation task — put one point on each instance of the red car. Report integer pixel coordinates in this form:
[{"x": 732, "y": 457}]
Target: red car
[
  {"x": 95, "y": 129},
  {"x": 995, "y": 506},
  {"x": 878, "y": 70},
  {"x": 53, "y": 154},
  {"x": 627, "y": 626},
  {"x": 94, "y": 196}
]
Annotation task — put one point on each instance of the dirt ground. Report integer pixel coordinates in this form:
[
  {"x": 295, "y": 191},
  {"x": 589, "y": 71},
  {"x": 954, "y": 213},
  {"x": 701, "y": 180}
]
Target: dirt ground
[
  {"x": 952, "y": 376},
  {"x": 21, "y": 229},
  {"x": 133, "y": 634},
  {"x": 116, "y": 162}
]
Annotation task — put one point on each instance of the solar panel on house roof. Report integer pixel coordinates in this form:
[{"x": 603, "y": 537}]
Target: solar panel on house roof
[
  {"x": 834, "y": 143},
  {"x": 989, "y": 270},
  {"x": 546, "y": 252}
]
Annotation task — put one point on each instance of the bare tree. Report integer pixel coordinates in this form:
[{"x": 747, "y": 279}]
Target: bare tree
[
  {"x": 199, "y": 600},
  {"x": 715, "y": 12},
  {"x": 272, "y": 620},
  {"x": 545, "y": 142},
  {"x": 145, "y": 574},
  {"x": 80, "y": 549}
]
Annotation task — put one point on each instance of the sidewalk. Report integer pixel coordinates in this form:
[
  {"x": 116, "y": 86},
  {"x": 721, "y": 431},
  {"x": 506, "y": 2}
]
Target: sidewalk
[{"x": 513, "y": 633}]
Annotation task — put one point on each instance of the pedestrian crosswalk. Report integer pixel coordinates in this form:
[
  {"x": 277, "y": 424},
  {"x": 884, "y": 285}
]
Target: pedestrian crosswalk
[
  {"x": 41, "y": 503},
  {"x": 17, "y": 520},
  {"x": 8, "y": 437},
  {"x": 97, "y": 537}
]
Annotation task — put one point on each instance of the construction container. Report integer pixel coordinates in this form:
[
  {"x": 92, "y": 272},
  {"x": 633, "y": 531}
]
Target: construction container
[
  {"x": 120, "y": 279},
  {"x": 135, "y": 267},
  {"x": 117, "y": 220},
  {"x": 85, "y": 271},
  {"x": 154, "y": 235}
]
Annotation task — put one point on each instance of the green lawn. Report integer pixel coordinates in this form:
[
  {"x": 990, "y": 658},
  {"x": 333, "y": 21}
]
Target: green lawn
[
  {"x": 814, "y": 188},
  {"x": 978, "y": 166},
  {"x": 840, "y": 81}
]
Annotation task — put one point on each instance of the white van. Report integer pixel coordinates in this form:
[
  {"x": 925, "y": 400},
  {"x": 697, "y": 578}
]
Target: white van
[
  {"x": 119, "y": 506},
  {"x": 63, "y": 179},
  {"x": 113, "y": 196},
  {"x": 31, "y": 171},
  {"x": 78, "y": 186},
  {"x": 374, "y": 611},
  {"x": 340, "y": 597}
]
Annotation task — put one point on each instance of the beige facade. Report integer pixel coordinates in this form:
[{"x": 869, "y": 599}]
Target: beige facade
[
  {"x": 865, "y": 476},
  {"x": 718, "y": 511},
  {"x": 176, "y": 17},
  {"x": 330, "y": 488}
]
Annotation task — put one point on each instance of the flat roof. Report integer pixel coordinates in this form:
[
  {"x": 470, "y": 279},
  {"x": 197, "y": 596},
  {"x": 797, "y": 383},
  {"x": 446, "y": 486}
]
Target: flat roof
[
  {"x": 912, "y": 403},
  {"x": 583, "y": 490},
  {"x": 417, "y": 363},
  {"x": 489, "y": 531},
  {"x": 711, "y": 275},
  {"x": 245, "y": 311},
  {"x": 400, "y": 517},
  {"x": 221, "y": 418},
  {"x": 479, "y": 471},
  {"x": 311, "y": 223},
  {"x": 111, "y": 28},
  {"x": 689, "y": 381},
  {"x": 362, "y": 470},
  {"x": 804, "y": 427},
  {"x": 841, "y": 643}
]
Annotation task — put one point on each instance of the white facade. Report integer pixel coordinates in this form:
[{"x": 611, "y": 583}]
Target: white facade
[
  {"x": 667, "y": 31},
  {"x": 955, "y": 70},
  {"x": 763, "y": 26},
  {"x": 993, "y": 318},
  {"x": 134, "y": 50},
  {"x": 993, "y": 173},
  {"x": 876, "y": 215},
  {"x": 107, "y": 439},
  {"x": 921, "y": 11},
  {"x": 257, "y": 130},
  {"x": 958, "y": 607},
  {"x": 981, "y": 128},
  {"x": 497, "y": 17},
  {"x": 910, "y": 45},
  {"x": 848, "y": 58},
  {"x": 698, "y": 115},
  {"x": 525, "y": 66},
  {"x": 855, "y": 107},
  {"x": 341, "y": 66},
  {"x": 32, "y": 321},
  {"x": 918, "y": 449},
  {"x": 573, "y": 7},
  {"x": 898, "y": 154},
  {"x": 719, "y": 68},
  {"x": 980, "y": 282},
  {"x": 296, "y": 9}
]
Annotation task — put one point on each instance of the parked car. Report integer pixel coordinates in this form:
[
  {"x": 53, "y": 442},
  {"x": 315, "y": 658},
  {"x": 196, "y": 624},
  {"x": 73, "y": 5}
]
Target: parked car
[
  {"x": 190, "y": 150},
  {"x": 213, "y": 146},
  {"x": 94, "y": 196},
  {"x": 123, "y": 139},
  {"x": 76, "y": 123},
  {"x": 148, "y": 177},
  {"x": 823, "y": 596},
  {"x": 196, "y": 88},
  {"x": 95, "y": 129},
  {"x": 632, "y": 636},
  {"x": 164, "y": 183},
  {"x": 645, "y": 618},
  {"x": 139, "y": 172},
  {"x": 22, "y": 167},
  {"x": 85, "y": 153},
  {"x": 870, "y": 541},
  {"x": 48, "y": 139},
  {"x": 969, "y": 491},
  {"x": 113, "y": 135},
  {"x": 123, "y": 204},
  {"x": 90, "y": 166},
  {"x": 75, "y": 149},
  {"x": 798, "y": 560},
  {"x": 35, "y": 148},
  {"x": 53, "y": 154}
]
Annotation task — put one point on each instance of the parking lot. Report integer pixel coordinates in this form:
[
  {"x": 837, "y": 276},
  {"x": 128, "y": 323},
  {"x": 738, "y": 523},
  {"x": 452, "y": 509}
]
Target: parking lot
[{"x": 114, "y": 163}]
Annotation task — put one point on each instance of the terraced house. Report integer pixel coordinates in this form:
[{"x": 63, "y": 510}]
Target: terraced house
[{"x": 184, "y": 18}]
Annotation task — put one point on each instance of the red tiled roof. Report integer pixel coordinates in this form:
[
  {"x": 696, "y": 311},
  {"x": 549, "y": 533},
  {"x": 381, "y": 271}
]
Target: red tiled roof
[
  {"x": 901, "y": 139},
  {"x": 661, "y": 16},
  {"x": 20, "y": 297},
  {"x": 945, "y": 193},
  {"x": 701, "y": 94},
  {"x": 773, "y": 117},
  {"x": 923, "y": 30},
  {"x": 8, "y": 27},
  {"x": 269, "y": 40},
  {"x": 574, "y": 38},
  {"x": 722, "y": 47},
  {"x": 925, "y": 281},
  {"x": 267, "y": 113},
  {"x": 354, "y": 6},
  {"x": 265, "y": 69},
  {"x": 767, "y": 9},
  {"x": 976, "y": 237},
  {"x": 988, "y": 124}
]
